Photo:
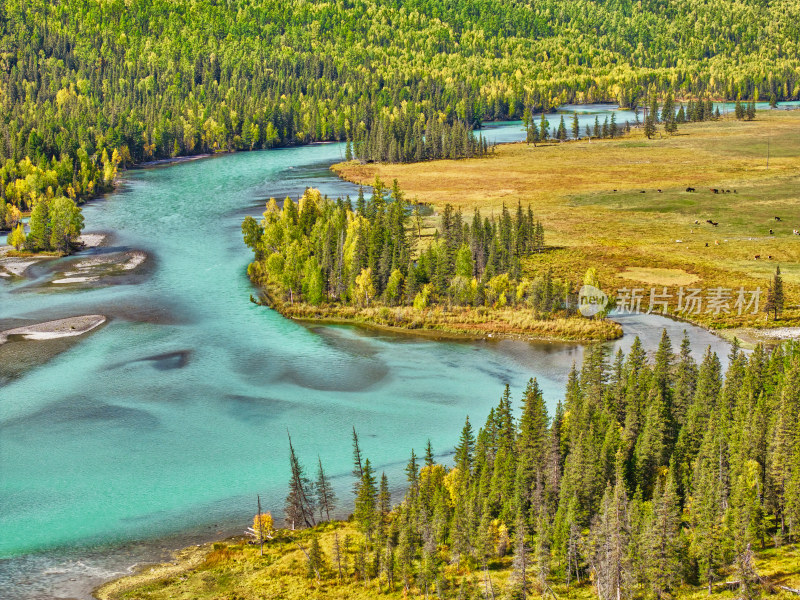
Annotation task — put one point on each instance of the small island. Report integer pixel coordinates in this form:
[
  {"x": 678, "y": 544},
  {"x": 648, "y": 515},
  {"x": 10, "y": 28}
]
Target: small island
[{"x": 380, "y": 263}]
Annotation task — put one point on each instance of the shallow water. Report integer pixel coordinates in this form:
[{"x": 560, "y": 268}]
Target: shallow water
[{"x": 161, "y": 427}]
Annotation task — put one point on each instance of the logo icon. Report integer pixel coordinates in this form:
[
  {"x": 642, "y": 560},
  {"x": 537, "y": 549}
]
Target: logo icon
[{"x": 591, "y": 300}]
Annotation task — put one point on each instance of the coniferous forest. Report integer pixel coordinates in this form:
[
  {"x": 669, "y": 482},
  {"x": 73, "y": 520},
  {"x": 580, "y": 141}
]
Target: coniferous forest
[
  {"x": 654, "y": 474},
  {"x": 87, "y": 86},
  {"x": 319, "y": 251}
]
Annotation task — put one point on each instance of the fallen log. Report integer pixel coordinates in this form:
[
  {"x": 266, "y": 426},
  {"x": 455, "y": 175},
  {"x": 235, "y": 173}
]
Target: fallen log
[{"x": 788, "y": 589}]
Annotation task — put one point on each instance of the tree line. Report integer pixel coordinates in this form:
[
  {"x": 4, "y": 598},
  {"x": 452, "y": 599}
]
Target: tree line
[
  {"x": 82, "y": 79},
  {"x": 651, "y": 474},
  {"x": 320, "y": 251}
]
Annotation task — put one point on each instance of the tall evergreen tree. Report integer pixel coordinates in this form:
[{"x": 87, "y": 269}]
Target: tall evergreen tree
[
  {"x": 299, "y": 502},
  {"x": 326, "y": 496}
]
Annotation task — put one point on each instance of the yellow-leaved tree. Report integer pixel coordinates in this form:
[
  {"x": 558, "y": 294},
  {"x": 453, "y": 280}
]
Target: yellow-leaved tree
[
  {"x": 364, "y": 289},
  {"x": 17, "y": 237}
]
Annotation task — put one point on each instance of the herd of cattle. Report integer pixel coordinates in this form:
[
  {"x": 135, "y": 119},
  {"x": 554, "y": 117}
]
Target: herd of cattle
[{"x": 716, "y": 223}]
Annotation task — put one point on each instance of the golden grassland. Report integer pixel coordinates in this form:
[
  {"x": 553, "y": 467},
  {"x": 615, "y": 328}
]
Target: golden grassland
[
  {"x": 601, "y": 207},
  {"x": 463, "y": 322},
  {"x": 234, "y": 569}
]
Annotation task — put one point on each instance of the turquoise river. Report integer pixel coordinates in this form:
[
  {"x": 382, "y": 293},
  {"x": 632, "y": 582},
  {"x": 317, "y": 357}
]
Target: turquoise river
[{"x": 159, "y": 429}]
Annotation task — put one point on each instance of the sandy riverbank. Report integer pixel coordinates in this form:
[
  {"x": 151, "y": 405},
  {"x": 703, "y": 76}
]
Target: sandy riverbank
[
  {"x": 51, "y": 330},
  {"x": 16, "y": 265}
]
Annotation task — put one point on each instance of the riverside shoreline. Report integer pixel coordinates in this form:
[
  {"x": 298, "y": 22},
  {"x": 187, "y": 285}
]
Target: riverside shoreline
[{"x": 458, "y": 324}]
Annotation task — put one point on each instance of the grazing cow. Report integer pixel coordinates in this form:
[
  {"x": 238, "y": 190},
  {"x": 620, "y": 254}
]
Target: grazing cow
[
  {"x": 690, "y": 189},
  {"x": 734, "y": 191},
  {"x": 696, "y": 222},
  {"x": 641, "y": 192},
  {"x": 771, "y": 232},
  {"x": 770, "y": 257},
  {"x": 796, "y": 231},
  {"x": 777, "y": 219},
  {"x": 716, "y": 242},
  {"x": 715, "y": 190},
  {"x": 659, "y": 191},
  {"x": 756, "y": 257},
  {"x": 706, "y": 244},
  {"x": 615, "y": 190}
]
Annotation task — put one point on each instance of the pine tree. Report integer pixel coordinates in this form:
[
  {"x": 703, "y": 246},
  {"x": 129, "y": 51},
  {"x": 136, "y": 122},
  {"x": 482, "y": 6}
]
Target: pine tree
[
  {"x": 429, "y": 460},
  {"x": 750, "y": 113},
  {"x": 576, "y": 127},
  {"x": 649, "y": 126},
  {"x": 464, "y": 452},
  {"x": 662, "y": 544},
  {"x": 685, "y": 382},
  {"x": 609, "y": 539},
  {"x": 707, "y": 507},
  {"x": 39, "y": 226},
  {"x": 531, "y": 445},
  {"x": 366, "y": 504},
  {"x": 326, "y": 497},
  {"x": 533, "y": 134},
  {"x": 358, "y": 470},
  {"x": 651, "y": 450},
  {"x": 562, "y": 130},
  {"x": 412, "y": 473},
  {"x": 384, "y": 497},
  {"x": 518, "y": 582},
  {"x": 299, "y": 502},
  {"x": 315, "y": 559},
  {"x": 774, "y": 302}
]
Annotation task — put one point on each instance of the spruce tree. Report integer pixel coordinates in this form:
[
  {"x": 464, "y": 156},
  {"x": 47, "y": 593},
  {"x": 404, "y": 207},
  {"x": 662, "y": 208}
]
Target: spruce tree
[
  {"x": 384, "y": 497},
  {"x": 662, "y": 545},
  {"x": 609, "y": 540},
  {"x": 358, "y": 470},
  {"x": 685, "y": 382},
  {"x": 562, "y": 130},
  {"x": 299, "y": 502},
  {"x": 326, "y": 497},
  {"x": 366, "y": 505},
  {"x": 519, "y": 584},
  {"x": 429, "y": 460},
  {"x": 774, "y": 302}
]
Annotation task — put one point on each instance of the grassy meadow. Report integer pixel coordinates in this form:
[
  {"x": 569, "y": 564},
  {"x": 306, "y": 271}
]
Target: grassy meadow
[
  {"x": 235, "y": 570},
  {"x": 601, "y": 207}
]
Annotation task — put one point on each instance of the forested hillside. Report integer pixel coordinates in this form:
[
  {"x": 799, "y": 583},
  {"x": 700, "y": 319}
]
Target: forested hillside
[
  {"x": 655, "y": 478},
  {"x": 651, "y": 475},
  {"x": 154, "y": 79}
]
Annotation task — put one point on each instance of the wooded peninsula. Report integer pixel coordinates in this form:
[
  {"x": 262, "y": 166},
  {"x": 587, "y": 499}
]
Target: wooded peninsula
[{"x": 323, "y": 259}]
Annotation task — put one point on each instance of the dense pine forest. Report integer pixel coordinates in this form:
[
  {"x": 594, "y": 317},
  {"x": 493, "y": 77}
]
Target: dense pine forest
[
  {"x": 87, "y": 86},
  {"x": 319, "y": 251},
  {"x": 653, "y": 474}
]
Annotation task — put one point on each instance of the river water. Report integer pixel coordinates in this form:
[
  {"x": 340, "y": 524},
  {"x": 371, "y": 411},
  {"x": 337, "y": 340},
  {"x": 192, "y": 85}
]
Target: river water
[{"x": 160, "y": 428}]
